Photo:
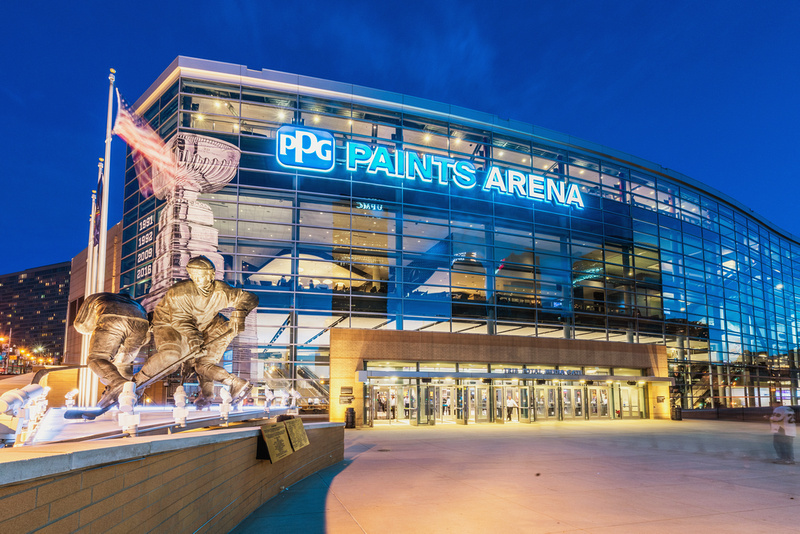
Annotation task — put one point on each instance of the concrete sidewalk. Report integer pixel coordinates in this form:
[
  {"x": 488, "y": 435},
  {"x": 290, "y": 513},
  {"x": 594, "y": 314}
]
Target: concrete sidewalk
[{"x": 610, "y": 476}]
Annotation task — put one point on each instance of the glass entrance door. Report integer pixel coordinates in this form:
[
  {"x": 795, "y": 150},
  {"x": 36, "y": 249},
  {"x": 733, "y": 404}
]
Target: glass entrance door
[
  {"x": 477, "y": 404},
  {"x": 446, "y": 407},
  {"x": 540, "y": 404},
  {"x": 413, "y": 405},
  {"x": 598, "y": 402},
  {"x": 462, "y": 405},
  {"x": 627, "y": 405},
  {"x": 580, "y": 409},
  {"x": 404, "y": 404},
  {"x": 499, "y": 405},
  {"x": 546, "y": 402},
  {"x": 551, "y": 394},
  {"x": 572, "y": 402},
  {"x": 427, "y": 405},
  {"x": 383, "y": 404},
  {"x": 369, "y": 408},
  {"x": 511, "y": 402},
  {"x": 567, "y": 409},
  {"x": 482, "y": 413},
  {"x": 524, "y": 405}
]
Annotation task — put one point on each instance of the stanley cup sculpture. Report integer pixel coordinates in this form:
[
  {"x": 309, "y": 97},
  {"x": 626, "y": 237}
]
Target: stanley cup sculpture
[{"x": 185, "y": 225}]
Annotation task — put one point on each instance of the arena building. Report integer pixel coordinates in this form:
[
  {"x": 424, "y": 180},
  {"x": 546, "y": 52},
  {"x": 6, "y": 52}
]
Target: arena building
[{"x": 424, "y": 263}]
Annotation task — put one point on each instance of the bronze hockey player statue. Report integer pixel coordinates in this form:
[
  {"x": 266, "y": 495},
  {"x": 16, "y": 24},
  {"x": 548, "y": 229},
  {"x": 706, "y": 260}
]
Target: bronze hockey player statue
[
  {"x": 118, "y": 325},
  {"x": 187, "y": 321}
]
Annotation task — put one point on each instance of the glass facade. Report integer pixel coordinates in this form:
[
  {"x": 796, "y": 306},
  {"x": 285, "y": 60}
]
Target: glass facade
[{"x": 651, "y": 257}]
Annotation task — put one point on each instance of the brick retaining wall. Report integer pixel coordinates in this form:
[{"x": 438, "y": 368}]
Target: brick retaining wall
[{"x": 205, "y": 482}]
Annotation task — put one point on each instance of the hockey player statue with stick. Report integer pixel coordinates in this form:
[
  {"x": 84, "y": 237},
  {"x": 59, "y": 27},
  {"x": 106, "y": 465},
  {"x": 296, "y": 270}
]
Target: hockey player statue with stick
[
  {"x": 118, "y": 326},
  {"x": 187, "y": 322}
]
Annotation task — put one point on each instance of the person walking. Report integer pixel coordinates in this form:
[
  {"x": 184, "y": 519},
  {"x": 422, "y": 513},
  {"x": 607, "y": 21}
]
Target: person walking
[
  {"x": 782, "y": 424},
  {"x": 510, "y": 405}
]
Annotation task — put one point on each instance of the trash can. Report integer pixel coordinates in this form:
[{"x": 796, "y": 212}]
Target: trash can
[
  {"x": 350, "y": 418},
  {"x": 676, "y": 413}
]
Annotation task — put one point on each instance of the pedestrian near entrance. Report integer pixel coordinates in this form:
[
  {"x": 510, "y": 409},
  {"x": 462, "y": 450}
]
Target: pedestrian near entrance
[
  {"x": 782, "y": 423},
  {"x": 510, "y": 405},
  {"x": 393, "y": 403}
]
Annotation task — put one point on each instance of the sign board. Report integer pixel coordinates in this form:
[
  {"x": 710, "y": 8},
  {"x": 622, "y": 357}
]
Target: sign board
[
  {"x": 315, "y": 150},
  {"x": 346, "y": 390},
  {"x": 562, "y": 372},
  {"x": 346, "y": 399},
  {"x": 297, "y": 433},
  {"x": 277, "y": 441}
]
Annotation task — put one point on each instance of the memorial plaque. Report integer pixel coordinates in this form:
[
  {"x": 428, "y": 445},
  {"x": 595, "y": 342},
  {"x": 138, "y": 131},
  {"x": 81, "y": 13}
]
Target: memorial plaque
[
  {"x": 346, "y": 400},
  {"x": 297, "y": 433},
  {"x": 277, "y": 440}
]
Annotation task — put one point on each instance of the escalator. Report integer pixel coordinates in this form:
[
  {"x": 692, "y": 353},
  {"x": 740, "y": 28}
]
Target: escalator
[
  {"x": 313, "y": 381},
  {"x": 313, "y": 395}
]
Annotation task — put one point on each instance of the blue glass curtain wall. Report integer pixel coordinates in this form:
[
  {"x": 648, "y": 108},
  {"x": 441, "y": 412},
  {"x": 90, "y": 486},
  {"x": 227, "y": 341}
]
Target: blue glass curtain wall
[{"x": 647, "y": 260}]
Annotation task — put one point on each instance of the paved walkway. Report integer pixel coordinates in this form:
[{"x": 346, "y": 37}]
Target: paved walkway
[{"x": 611, "y": 476}]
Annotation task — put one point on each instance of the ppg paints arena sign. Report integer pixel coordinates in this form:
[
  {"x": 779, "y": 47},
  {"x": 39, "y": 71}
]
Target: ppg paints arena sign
[{"x": 315, "y": 150}]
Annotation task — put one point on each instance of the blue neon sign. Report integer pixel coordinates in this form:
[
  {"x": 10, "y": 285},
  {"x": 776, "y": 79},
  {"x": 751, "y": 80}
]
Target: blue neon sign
[
  {"x": 303, "y": 148},
  {"x": 309, "y": 149}
]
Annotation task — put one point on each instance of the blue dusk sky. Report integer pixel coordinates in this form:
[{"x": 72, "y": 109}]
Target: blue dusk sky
[{"x": 708, "y": 89}]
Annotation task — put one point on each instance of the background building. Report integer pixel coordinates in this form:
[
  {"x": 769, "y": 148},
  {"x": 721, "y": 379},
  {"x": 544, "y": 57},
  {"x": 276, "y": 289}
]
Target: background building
[
  {"x": 490, "y": 240},
  {"x": 33, "y": 309}
]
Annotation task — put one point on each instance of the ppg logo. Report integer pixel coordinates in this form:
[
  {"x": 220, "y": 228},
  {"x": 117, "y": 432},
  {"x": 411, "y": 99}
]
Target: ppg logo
[{"x": 301, "y": 148}]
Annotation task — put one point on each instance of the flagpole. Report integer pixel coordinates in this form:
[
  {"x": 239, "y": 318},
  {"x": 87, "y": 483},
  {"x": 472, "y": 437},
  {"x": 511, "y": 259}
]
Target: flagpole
[
  {"x": 96, "y": 276},
  {"x": 101, "y": 254},
  {"x": 84, "y": 373}
]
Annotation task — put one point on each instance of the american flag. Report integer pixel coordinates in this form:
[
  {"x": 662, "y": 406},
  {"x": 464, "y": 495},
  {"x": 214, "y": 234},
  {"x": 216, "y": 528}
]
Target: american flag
[{"x": 146, "y": 146}]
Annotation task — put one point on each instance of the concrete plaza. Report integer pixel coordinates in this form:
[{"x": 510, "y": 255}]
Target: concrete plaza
[{"x": 609, "y": 476}]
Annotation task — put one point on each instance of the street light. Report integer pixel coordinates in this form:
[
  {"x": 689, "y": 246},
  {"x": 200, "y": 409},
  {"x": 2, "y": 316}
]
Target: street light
[{"x": 43, "y": 354}]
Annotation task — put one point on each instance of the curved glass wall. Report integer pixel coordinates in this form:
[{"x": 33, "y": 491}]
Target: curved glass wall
[{"x": 647, "y": 259}]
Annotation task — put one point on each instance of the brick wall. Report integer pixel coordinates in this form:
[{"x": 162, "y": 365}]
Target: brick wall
[{"x": 205, "y": 488}]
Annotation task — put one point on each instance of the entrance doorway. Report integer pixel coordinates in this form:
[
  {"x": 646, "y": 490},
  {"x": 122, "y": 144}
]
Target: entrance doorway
[
  {"x": 572, "y": 402},
  {"x": 385, "y": 404},
  {"x": 477, "y": 404},
  {"x": 628, "y": 404},
  {"x": 515, "y": 401},
  {"x": 545, "y": 403},
  {"x": 525, "y": 412},
  {"x": 421, "y": 405},
  {"x": 446, "y": 404},
  {"x": 508, "y": 403},
  {"x": 598, "y": 402}
]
